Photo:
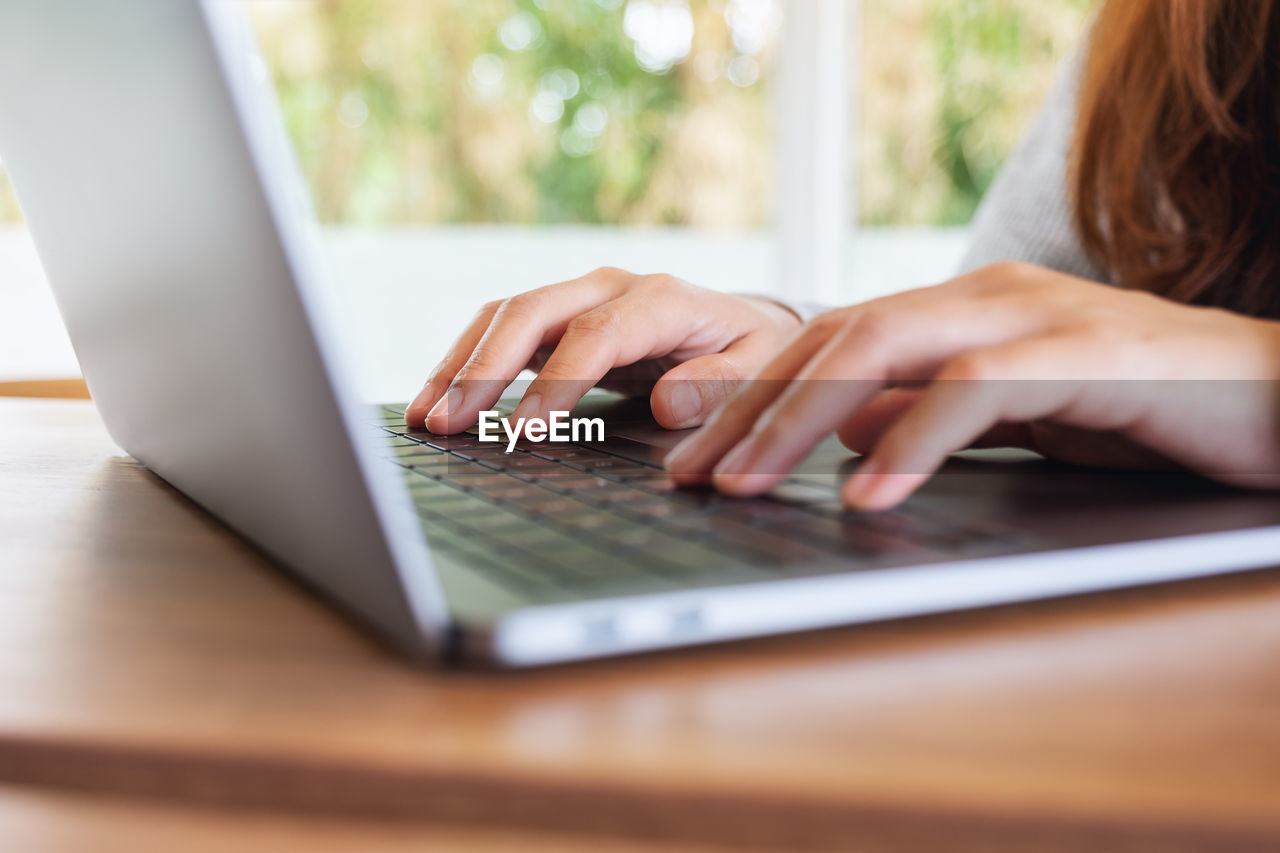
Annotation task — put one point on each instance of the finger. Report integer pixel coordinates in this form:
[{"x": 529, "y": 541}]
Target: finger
[
  {"x": 519, "y": 327},
  {"x": 791, "y": 425},
  {"x": 848, "y": 372},
  {"x": 692, "y": 461},
  {"x": 897, "y": 340},
  {"x": 632, "y": 328},
  {"x": 433, "y": 390},
  {"x": 687, "y": 395},
  {"x": 1093, "y": 449},
  {"x": 764, "y": 432},
  {"x": 970, "y": 397},
  {"x": 863, "y": 431}
]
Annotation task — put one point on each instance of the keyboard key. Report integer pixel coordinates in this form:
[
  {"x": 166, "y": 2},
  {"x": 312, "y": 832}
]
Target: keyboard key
[
  {"x": 528, "y": 462},
  {"x": 574, "y": 520},
  {"x": 656, "y": 509},
  {"x": 761, "y": 511},
  {"x": 849, "y": 537},
  {"x": 555, "y": 505},
  {"x": 633, "y": 450},
  {"x": 804, "y": 493},
  {"x": 590, "y": 520},
  {"x": 561, "y": 453},
  {"x": 599, "y": 487},
  {"x": 404, "y": 447},
  {"x": 568, "y": 477}
]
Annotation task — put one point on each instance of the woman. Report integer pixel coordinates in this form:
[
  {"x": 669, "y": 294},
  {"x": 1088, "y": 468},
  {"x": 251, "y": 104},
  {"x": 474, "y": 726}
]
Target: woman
[{"x": 1135, "y": 237}]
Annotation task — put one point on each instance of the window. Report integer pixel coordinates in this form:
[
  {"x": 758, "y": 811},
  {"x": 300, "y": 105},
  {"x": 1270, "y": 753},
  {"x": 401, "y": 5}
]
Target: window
[
  {"x": 947, "y": 89},
  {"x": 646, "y": 112},
  {"x": 825, "y": 149}
]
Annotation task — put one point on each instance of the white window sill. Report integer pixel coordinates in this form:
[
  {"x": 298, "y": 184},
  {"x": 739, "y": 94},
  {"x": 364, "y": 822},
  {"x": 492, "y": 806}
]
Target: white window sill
[{"x": 405, "y": 292}]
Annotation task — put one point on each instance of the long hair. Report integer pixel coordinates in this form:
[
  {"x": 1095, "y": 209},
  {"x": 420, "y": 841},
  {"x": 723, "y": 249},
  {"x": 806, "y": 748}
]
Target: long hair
[{"x": 1176, "y": 166}]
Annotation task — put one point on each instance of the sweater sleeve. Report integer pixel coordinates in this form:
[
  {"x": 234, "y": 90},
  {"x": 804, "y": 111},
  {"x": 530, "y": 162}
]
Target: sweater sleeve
[{"x": 1027, "y": 214}]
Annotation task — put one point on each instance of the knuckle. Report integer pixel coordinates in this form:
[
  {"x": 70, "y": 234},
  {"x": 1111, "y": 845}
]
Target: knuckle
[
  {"x": 972, "y": 367},
  {"x": 557, "y": 371},
  {"x": 876, "y": 329},
  {"x": 1009, "y": 273},
  {"x": 724, "y": 369},
  {"x": 826, "y": 324},
  {"x": 661, "y": 284},
  {"x": 595, "y": 324},
  {"x": 609, "y": 274},
  {"x": 1009, "y": 269},
  {"x": 523, "y": 306},
  {"x": 483, "y": 363}
]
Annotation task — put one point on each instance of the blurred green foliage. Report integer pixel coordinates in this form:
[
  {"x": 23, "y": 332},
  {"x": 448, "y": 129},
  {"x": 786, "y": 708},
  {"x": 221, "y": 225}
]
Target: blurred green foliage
[
  {"x": 587, "y": 111},
  {"x": 948, "y": 88},
  {"x": 524, "y": 111}
]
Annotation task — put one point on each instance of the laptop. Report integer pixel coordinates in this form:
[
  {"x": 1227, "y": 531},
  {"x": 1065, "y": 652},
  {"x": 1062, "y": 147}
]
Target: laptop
[{"x": 152, "y": 168}]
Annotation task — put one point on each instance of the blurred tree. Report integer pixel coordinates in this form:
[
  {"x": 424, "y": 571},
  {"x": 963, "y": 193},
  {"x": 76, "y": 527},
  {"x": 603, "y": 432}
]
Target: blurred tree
[
  {"x": 532, "y": 111},
  {"x": 949, "y": 87},
  {"x": 637, "y": 112}
]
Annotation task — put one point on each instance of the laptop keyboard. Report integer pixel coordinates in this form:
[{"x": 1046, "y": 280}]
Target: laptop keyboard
[{"x": 604, "y": 519}]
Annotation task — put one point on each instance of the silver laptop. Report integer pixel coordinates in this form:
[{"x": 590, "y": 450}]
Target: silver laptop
[{"x": 149, "y": 158}]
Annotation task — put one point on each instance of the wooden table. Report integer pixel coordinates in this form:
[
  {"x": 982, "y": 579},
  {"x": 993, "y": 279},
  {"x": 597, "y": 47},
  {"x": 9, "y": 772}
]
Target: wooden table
[{"x": 155, "y": 672}]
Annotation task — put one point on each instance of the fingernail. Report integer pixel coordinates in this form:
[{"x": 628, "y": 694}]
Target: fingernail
[
  {"x": 686, "y": 404},
  {"x": 448, "y": 404}
]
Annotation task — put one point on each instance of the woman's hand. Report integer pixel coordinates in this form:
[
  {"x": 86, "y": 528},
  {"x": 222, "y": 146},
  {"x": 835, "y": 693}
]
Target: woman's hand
[
  {"x": 1012, "y": 355},
  {"x": 609, "y": 328}
]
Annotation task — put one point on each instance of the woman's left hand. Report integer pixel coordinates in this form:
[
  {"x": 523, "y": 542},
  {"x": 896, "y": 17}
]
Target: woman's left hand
[{"x": 1012, "y": 355}]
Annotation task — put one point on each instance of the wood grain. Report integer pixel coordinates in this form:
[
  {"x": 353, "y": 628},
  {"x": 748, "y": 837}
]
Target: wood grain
[
  {"x": 74, "y": 823},
  {"x": 57, "y": 389},
  {"x": 144, "y": 651}
]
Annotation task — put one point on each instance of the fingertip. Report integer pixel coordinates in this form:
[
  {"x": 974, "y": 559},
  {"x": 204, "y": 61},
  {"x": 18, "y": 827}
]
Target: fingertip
[
  {"x": 684, "y": 462},
  {"x": 445, "y": 417},
  {"x": 530, "y": 406},
  {"x": 745, "y": 485},
  {"x": 874, "y": 504},
  {"x": 415, "y": 414},
  {"x": 689, "y": 479},
  {"x": 873, "y": 491}
]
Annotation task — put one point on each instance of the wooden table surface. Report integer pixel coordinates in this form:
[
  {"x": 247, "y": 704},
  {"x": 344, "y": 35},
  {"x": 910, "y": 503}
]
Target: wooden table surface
[{"x": 147, "y": 654}]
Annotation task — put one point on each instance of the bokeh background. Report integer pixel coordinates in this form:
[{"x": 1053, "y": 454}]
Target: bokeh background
[
  {"x": 460, "y": 151},
  {"x": 639, "y": 112}
]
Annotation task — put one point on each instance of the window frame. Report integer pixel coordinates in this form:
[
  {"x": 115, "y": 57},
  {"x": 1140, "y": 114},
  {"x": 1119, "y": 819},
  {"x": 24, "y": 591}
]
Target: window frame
[{"x": 816, "y": 208}]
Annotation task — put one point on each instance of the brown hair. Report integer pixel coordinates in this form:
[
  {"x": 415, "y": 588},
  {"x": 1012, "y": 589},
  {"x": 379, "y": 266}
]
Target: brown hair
[{"x": 1176, "y": 171}]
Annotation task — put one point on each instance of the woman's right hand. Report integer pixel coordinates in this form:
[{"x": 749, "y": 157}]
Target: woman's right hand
[{"x": 687, "y": 346}]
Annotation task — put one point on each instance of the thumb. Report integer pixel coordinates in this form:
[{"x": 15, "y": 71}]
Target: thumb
[{"x": 687, "y": 395}]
